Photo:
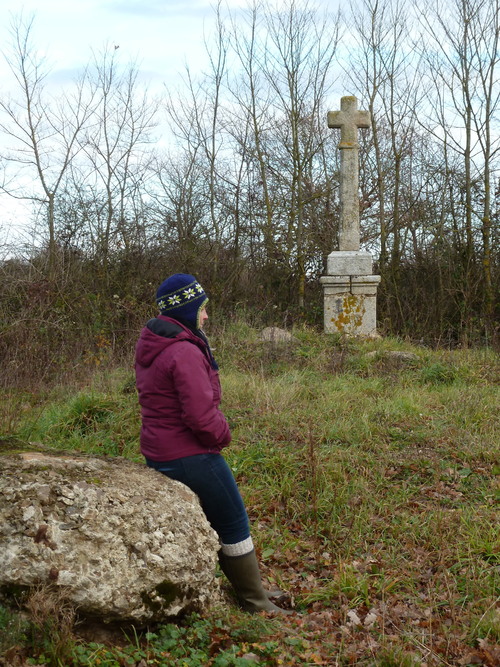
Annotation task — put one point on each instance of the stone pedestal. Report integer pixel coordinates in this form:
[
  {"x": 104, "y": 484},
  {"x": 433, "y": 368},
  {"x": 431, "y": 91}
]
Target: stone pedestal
[
  {"x": 350, "y": 294},
  {"x": 350, "y": 289}
]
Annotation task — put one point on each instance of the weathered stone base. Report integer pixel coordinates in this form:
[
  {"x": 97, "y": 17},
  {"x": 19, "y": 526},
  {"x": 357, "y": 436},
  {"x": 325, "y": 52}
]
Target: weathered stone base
[
  {"x": 350, "y": 294},
  {"x": 349, "y": 263}
]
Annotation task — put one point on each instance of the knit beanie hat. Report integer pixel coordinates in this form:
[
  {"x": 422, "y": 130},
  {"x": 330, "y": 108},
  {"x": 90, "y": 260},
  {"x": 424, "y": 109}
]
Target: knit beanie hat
[{"x": 182, "y": 297}]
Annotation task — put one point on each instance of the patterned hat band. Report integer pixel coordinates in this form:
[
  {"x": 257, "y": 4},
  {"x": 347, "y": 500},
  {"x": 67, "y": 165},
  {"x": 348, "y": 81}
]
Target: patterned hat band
[{"x": 188, "y": 294}]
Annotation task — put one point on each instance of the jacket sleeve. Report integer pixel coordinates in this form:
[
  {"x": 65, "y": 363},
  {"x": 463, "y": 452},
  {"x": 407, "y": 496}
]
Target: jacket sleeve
[{"x": 198, "y": 390}]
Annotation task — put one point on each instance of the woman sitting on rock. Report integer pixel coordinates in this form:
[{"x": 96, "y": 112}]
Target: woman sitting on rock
[{"x": 183, "y": 430}]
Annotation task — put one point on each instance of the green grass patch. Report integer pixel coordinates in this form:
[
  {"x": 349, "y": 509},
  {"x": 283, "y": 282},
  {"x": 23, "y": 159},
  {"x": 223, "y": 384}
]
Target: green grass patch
[{"x": 370, "y": 470}]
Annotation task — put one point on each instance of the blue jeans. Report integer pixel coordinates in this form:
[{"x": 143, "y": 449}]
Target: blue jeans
[{"x": 210, "y": 477}]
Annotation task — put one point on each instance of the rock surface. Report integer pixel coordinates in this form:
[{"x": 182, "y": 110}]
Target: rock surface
[
  {"x": 276, "y": 335},
  {"x": 395, "y": 356},
  {"x": 124, "y": 542}
]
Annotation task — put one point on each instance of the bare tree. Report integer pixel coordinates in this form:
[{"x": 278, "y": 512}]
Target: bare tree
[
  {"x": 385, "y": 69},
  {"x": 297, "y": 57},
  {"x": 43, "y": 131},
  {"x": 197, "y": 120},
  {"x": 117, "y": 148},
  {"x": 486, "y": 40},
  {"x": 462, "y": 55},
  {"x": 179, "y": 207}
]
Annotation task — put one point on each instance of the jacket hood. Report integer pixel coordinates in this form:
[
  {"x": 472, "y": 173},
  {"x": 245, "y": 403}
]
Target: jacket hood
[{"x": 158, "y": 334}]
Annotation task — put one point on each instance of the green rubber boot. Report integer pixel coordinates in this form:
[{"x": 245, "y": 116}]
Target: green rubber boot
[{"x": 244, "y": 576}]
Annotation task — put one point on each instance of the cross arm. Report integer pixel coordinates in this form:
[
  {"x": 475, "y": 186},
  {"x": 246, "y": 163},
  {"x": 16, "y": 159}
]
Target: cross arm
[{"x": 349, "y": 119}]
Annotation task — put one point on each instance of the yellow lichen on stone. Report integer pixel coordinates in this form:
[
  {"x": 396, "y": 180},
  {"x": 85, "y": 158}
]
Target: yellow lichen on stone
[{"x": 350, "y": 315}]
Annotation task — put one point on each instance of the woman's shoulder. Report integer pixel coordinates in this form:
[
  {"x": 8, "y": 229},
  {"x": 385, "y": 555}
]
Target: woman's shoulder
[
  {"x": 186, "y": 347},
  {"x": 163, "y": 327}
]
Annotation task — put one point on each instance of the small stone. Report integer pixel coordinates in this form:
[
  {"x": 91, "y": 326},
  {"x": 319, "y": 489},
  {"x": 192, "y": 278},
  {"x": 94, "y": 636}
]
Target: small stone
[
  {"x": 370, "y": 620},
  {"x": 276, "y": 335},
  {"x": 251, "y": 657},
  {"x": 353, "y": 618}
]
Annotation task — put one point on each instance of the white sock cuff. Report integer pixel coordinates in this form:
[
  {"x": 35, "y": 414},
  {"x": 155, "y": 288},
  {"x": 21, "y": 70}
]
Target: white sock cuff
[{"x": 239, "y": 548}]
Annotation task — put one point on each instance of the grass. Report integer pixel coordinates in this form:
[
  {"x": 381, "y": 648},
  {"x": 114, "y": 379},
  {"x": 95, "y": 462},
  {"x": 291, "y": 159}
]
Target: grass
[{"x": 371, "y": 479}]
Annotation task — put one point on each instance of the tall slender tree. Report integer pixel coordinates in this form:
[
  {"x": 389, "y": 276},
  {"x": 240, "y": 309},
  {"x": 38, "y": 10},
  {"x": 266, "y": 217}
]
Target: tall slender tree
[
  {"x": 117, "y": 147},
  {"x": 298, "y": 61},
  {"x": 43, "y": 130}
]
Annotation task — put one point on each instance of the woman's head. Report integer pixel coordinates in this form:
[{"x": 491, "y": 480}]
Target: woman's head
[{"x": 182, "y": 297}]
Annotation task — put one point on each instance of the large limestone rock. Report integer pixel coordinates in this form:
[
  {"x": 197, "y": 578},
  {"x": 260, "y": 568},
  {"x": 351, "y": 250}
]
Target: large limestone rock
[{"x": 122, "y": 541}]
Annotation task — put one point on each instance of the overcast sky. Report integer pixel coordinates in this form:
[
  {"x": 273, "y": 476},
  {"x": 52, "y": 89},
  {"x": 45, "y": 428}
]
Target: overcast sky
[{"x": 160, "y": 36}]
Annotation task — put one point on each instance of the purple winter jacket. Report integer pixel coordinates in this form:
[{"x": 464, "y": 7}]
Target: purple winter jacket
[{"x": 179, "y": 394}]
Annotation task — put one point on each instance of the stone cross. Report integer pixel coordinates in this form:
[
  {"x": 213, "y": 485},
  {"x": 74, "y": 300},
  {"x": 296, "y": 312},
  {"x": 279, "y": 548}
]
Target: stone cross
[{"x": 348, "y": 119}]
